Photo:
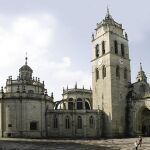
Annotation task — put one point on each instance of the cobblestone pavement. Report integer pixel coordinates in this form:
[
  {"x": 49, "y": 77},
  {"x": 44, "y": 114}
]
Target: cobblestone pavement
[{"x": 36, "y": 144}]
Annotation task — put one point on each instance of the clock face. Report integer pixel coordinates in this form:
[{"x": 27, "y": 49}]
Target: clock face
[
  {"x": 100, "y": 62},
  {"x": 121, "y": 61}
]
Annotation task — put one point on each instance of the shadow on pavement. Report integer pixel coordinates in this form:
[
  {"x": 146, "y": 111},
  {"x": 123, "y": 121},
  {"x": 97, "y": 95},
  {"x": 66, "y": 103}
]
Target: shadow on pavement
[{"x": 30, "y": 145}]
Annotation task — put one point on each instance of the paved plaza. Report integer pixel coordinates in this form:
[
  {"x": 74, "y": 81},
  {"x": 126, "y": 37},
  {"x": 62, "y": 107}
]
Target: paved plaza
[{"x": 36, "y": 144}]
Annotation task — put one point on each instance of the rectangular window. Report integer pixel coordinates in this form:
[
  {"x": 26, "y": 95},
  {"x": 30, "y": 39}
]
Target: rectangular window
[
  {"x": 116, "y": 47},
  {"x": 97, "y": 74},
  {"x": 97, "y": 51},
  {"x": 103, "y": 47},
  {"x": 91, "y": 122},
  {"x": 33, "y": 126},
  {"x": 122, "y": 50},
  {"x": 55, "y": 122},
  {"x": 9, "y": 125},
  {"x": 8, "y": 134},
  {"x": 67, "y": 123},
  {"x": 104, "y": 72}
]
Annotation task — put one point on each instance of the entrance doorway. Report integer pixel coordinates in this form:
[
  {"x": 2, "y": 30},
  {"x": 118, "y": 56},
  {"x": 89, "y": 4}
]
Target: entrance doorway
[{"x": 146, "y": 122}]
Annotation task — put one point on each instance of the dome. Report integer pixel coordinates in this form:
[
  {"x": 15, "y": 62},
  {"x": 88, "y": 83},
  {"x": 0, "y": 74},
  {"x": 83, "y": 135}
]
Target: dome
[
  {"x": 25, "y": 72},
  {"x": 25, "y": 68}
]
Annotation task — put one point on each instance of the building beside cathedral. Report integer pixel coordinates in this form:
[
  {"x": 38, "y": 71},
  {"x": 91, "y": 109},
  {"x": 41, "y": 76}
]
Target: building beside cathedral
[{"x": 114, "y": 107}]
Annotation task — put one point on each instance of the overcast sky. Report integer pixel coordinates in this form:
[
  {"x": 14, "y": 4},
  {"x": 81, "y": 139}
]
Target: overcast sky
[{"x": 56, "y": 34}]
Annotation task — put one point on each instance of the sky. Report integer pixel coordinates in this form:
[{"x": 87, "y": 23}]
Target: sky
[{"x": 56, "y": 34}]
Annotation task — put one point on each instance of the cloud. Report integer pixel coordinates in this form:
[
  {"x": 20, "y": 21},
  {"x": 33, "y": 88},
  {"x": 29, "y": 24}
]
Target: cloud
[
  {"x": 25, "y": 34},
  {"x": 60, "y": 74},
  {"x": 35, "y": 34},
  {"x": 32, "y": 34}
]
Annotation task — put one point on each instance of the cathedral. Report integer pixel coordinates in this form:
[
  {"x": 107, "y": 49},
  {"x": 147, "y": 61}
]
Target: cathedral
[{"x": 114, "y": 107}]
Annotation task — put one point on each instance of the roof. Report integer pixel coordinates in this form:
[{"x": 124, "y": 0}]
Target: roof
[
  {"x": 25, "y": 68},
  {"x": 108, "y": 20}
]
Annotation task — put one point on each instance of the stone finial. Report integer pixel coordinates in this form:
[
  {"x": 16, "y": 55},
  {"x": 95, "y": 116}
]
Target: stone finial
[
  {"x": 83, "y": 87},
  {"x": 45, "y": 91},
  {"x": 67, "y": 88},
  {"x": 2, "y": 90},
  {"x": 52, "y": 96},
  {"x": 76, "y": 85},
  {"x": 126, "y": 36},
  {"x": 63, "y": 90},
  {"x": 92, "y": 36},
  {"x": 42, "y": 91},
  {"x": 102, "y": 105},
  {"x": 10, "y": 77},
  {"x": 90, "y": 88}
]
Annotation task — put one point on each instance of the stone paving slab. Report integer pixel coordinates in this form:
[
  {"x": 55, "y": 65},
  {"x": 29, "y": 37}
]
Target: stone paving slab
[{"x": 50, "y": 144}]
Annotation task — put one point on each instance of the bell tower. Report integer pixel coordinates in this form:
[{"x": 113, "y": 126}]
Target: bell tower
[
  {"x": 141, "y": 75},
  {"x": 110, "y": 74}
]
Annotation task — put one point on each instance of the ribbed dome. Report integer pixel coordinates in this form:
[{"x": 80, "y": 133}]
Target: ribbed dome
[
  {"x": 25, "y": 68},
  {"x": 25, "y": 72}
]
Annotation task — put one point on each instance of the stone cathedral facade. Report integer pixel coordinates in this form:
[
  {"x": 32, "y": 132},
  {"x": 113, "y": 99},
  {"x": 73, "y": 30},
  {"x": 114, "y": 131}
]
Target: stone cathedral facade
[{"x": 114, "y": 107}]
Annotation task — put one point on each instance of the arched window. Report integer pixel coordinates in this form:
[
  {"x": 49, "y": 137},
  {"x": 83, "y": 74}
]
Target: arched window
[
  {"x": 55, "y": 122},
  {"x": 103, "y": 47},
  {"x": 117, "y": 71},
  {"x": 97, "y": 50},
  {"x": 67, "y": 122},
  {"x": 116, "y": 47},
  {"x": 97, "y": 74},
  {"x": 122, "y": 50},
  {"x": 70, "y": 104},
  {"x": 33, "y": 125},
  {"x": 87, "y": 106},
  {"x": 104, "y": 71},
  {"x": 125, "y": 73},
  {"x": 79, "y": 103},
  {"x": 79, "y": 122},
  {"x": 91, "y": 122}
]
